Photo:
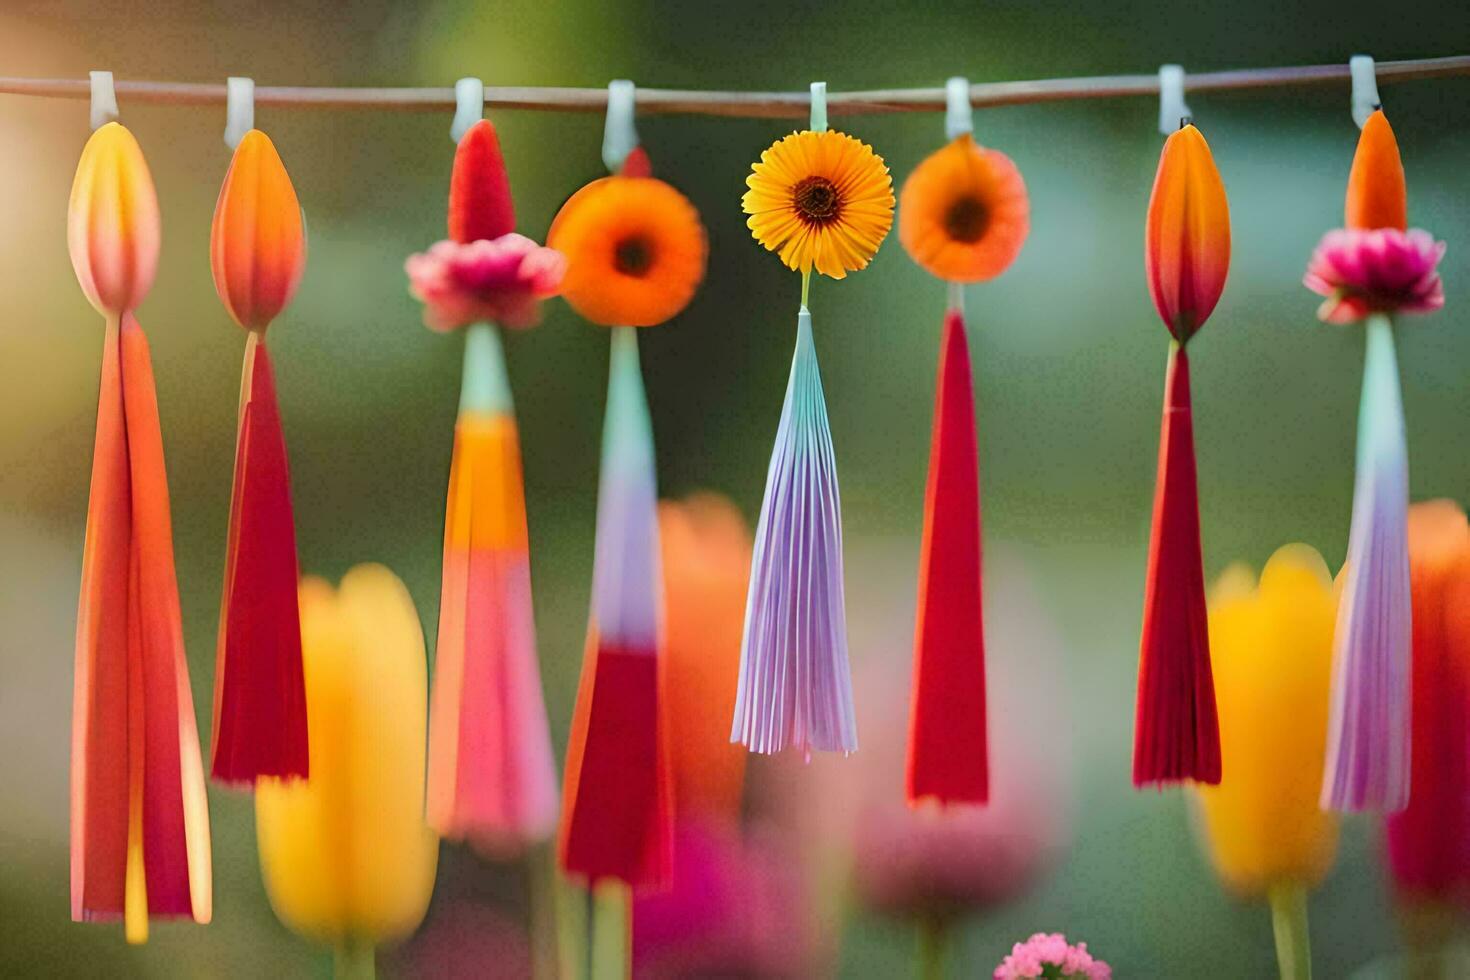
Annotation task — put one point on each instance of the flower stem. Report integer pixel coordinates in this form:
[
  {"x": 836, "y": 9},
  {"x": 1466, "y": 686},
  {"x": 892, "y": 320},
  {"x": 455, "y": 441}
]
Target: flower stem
[
  {"x": 571, "y": 926},
  {"x": 541, "y": 911},
  {"x": 933, "y": 939},
  {"x": 1289, "y": 920},
  {"x": 612, "y": 930},
  {"x": 353, "y": 960},
  {"x": 806, "y": 287}
]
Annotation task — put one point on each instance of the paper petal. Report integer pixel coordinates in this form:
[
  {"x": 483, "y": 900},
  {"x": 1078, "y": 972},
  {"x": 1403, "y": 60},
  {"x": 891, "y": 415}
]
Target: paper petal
[
  {"x": 1176, "y": 734},
  {"x": 140, "y": 824},
  {"x": 617, "y": 805},
  {"x": 491, "y": 774},
  {"x": 1368, "y": 730},
  {"x": 795, "y": 688},
  {"x": 948, "y": 757},
  {"x": 260, "y": 694}
]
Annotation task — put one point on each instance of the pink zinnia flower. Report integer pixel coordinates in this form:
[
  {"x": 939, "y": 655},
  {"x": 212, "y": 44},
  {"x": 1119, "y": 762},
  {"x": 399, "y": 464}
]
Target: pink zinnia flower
[
  {"x": 1033, "y": 958},
  {"x": 500, "y": 280},
  {"x": 1379, "y": 271}
]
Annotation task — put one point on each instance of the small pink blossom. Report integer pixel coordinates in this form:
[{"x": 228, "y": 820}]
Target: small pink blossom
[
  {"x": 501, "y": 281},
  {"x": 1379, "y": 271},
  {"x": 1051, "y": 950}
]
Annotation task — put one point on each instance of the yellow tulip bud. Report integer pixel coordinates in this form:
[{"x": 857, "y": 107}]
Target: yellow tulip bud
[
  {"x": 346, "y": 855},
  {"x": 1271, "y": 644}
]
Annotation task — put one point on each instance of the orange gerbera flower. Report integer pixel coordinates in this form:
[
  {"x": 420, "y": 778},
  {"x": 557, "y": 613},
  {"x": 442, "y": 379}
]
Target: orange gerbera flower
[
  {"x": 965, "y": 213},
  {"x": 635, "y": 251},
  {"x": 822, "y": 201}
]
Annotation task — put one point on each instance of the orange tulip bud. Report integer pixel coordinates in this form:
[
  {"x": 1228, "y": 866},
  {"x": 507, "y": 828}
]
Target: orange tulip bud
[
  {"x": 1376, "y": 194},
  {"x": 1187, "y": 238},
  {"x": 112, "y": 222},
  {"x": 257, "y": 245}
]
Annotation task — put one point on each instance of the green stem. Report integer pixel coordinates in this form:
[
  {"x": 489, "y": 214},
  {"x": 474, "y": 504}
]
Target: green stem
[
  {"x": 806, "y": 287},
  {"x": 353, "y": 960},
  {"x": 571, "y": 927},
  {"x": 1289, "y": 921},
  {"x": 541, "y": 912},
  {"x": 612, "y": 928},
  {"x": 933, "y": 939}
]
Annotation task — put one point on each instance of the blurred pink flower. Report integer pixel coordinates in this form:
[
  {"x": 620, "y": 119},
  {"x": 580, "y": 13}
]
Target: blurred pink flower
[
  {"x": 1043, "y": 950},
  {"x": 734, "y": 909},
  {"x": 1379, "y": 271},
  {"x": 849, "y": 815},
  {"x": 499, "y": 281}
]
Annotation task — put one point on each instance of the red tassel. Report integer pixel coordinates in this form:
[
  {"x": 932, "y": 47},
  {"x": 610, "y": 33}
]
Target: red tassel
[
  {"x": 617, "y": 808},
  {"x": 479, "y": 190},
  {"x": 138, "y": 810},
  {"x": 948, "y": 756},
  {"x": 260, "y": 694},
  {"x": 1176, "y": 732}
]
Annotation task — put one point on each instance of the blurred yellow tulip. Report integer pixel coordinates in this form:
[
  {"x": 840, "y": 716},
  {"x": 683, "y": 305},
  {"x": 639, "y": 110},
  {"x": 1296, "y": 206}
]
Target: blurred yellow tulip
[
  {"x": 1272, "y": 648},
  {"x": 347, "y": 857}
]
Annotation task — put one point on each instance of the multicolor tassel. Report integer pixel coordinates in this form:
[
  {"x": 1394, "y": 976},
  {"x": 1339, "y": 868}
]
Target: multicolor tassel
[
  {"x": 1373, "y": 269},
  {"x": 1176, "y": 733},
  {"x": 491, "y": 776},
  {"x": 795, "y": 685},
  {"x": 1368, "y": 751},
  {"x": 139, "y": 819},
  {"x": 636, "y": 253},
  {"x": 948, "y": 751},
  {"x": 257, "y": 253},
  {"x": 821, "y": 200},
  {"x": 617, "y": 808}
]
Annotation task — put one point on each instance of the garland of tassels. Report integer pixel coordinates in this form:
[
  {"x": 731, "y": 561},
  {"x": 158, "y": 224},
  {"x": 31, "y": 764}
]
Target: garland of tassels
[{"x": 628, "y": 251}]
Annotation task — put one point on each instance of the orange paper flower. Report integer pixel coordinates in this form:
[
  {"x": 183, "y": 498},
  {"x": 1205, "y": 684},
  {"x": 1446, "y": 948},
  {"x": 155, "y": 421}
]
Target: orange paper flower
[
  {"x": 112, "y": 224},
  {"x": 1187, "y": 238},
  {"x": 821, "y": 201},
  {"x": 257, "y": 244},
  {"x": 964, "y": 213},
  {"x": 1377, "y": 196},
  {"x": 635, "y": 251}
]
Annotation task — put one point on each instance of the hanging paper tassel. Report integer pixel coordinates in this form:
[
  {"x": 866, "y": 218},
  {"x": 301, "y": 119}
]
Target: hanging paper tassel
[
  {"x": 139, "y": 820},
  {"x": 821, "y": 200},
  {"x": 1176, "y": 733},
  {"x": 1372, "y": 269},
  {"x": 1368, "y": 732},
  {"x": 617, "y": 810},
  {"x": 795, "y": 688},
  {"x": 963, "y": 216},
  {"x": 260, "y": 694},
  {"x": 491, "y": 775},
  {"x": 948, "y": 754},
  {"x": 257, "y": 254}
]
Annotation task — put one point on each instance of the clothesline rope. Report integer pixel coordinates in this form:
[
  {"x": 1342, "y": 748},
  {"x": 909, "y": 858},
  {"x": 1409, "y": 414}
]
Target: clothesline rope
[{"x": 775, "y": 105}]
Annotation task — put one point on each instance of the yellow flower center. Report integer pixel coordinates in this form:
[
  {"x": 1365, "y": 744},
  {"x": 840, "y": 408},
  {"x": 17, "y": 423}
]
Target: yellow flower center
[
  {"x": 633, "y": 256},
  {"x": 816, "y": 200},
  {"x": 966, "y": 219}
]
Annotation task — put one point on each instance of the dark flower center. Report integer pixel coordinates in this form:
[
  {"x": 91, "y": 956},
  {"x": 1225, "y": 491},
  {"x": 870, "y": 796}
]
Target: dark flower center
[
  {"x": 633, "y": 256},
  {"x": 966, "y": 219},
  {"x": 816, "y": 200}
]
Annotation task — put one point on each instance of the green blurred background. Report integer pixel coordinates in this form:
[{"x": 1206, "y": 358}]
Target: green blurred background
[{"x": 1068, "y": 355}]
